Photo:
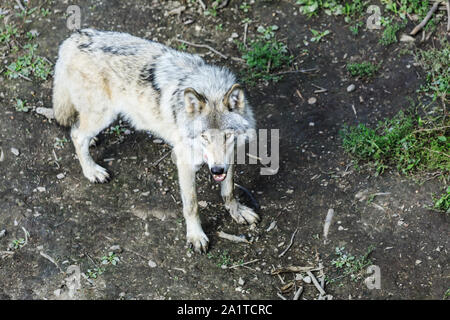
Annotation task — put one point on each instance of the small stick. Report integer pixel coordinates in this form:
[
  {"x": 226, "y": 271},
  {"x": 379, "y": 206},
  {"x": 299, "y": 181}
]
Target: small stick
[
  {"x": 296, "y": 71},
  {"x": 448, "y": 15},
  {"x": 316, "y": 284},
  {"x": 320, "y": 89},
  {"x": 202, "y": 4},
  {"x": 46, "y": 256},
  {"x": 155, "y": 164},
  {"x": 426, "y": 19},
  {"x": 203, "y": 46},
  {"x": 298, "y": 293},
  {"x": 19, "y": 74},
  {"x": 327, "y": 224},
  {"x": 20, "y": 5},
  {"x": 223, "y": 4},
  {"x": 294, "y": 269},
  {"x": 232, "y": 237},
  {"x": 299, "y": 94},
  {"x": 281, "y": 296},
  {"x": 243, "y": 264},
  {"x": 290, "y": 244},
  {"x": 245, "y": 34}
]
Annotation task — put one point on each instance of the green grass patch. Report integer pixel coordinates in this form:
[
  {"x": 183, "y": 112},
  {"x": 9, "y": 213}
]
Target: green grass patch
[
  {"x": 406, "y": 142},
  {"x": 350, "y": 265},
  {"x": 364, "y": 69},
  {"x": 389, "y": 35},
  {"x": 443, "y": 203},
  {"x": 264, "y": 56},
  {"x": 29, "y": 64},
  {"x": 436, "y": 64}
]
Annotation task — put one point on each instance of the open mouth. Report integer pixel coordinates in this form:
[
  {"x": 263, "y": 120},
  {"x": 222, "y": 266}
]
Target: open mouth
[{"x": 219, "y": 177}]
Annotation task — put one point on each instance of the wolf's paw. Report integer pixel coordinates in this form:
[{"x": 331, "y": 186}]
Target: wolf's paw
[
  {"x": 198, "y": 241},
  {"x": 243, "y": 214},
  {"x": 96, "y": 174}
]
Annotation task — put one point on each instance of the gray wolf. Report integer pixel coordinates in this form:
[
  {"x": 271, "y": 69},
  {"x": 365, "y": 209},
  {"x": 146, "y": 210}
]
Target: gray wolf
[{"x": 197, "y": 108}]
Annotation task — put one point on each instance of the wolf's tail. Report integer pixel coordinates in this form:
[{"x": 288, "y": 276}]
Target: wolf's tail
[{"x": 63, "y": 108}]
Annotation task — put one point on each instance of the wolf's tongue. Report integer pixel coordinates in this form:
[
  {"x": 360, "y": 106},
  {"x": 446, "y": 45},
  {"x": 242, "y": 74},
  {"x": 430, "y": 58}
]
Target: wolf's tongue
[{"x": 219, "y": 177}]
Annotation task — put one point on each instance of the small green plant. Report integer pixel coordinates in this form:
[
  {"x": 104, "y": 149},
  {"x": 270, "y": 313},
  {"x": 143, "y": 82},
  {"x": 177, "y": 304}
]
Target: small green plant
[
  {"x": 29, "y": 64},
  {"x": 45, "y": 12},
  {"x": 244, "y": 7},
  {"x": 389, "y": 35},
  {"x": 264, "y": 55},
  {"x": 224, "y": 259},
  {"x": 443, "y": 203},
  {"x": 21, "y": 105},
  {"x": 219, "y": 27},
  {"x": 351, "y": 265},
  {"x": 59, "y": 143},
  {"x": 7, "y": 33},
  {"x": 182, "y": 47},
  {"x": 94, "y": 273},
  {"x": 318, "y": 35},
  {"x": 354, "y": 29},
  {"x": 117, "y": 130},
  {"x": 364, "y": 69},
  {"x": 17, "y": 243},
  {"x": 111, "y": 258}
]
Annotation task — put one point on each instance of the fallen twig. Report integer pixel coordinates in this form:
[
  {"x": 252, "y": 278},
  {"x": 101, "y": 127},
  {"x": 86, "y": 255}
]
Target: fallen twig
[
  {"x": 448, "y": 15},
  {"x": 223, "y": 4},
  {"x": 46, "y": 256},
  {"x": 232, "y": 237},
  {"x": 19, "y": 74},
  {"x": 316, "y": 283},
  {"x": 298, "y": 293},
  {"x": 281, "y": 296},
  {"x": 293, "y": 269},
  {"x": 327, "y": 224},
  {"x": 426, "y": 19},
  {"x": 202, "y": 4},
  {"x": 290, "y": 244},
  {"x": 296, "y": 71},
  {"x": 156, "y": 163},
  {"x": 203, "y": 46},
  {"x": 242, "y": 264},
  {"x": 20, "y": 5}
]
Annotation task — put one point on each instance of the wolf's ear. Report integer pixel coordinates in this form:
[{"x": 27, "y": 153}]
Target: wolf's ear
[
  {"x": 193, "y": 101},
  {"x": 234, "y": 98}
]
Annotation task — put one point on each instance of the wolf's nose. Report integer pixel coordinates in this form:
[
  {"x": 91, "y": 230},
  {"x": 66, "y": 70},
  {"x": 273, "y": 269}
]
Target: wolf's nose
[{"x": 217, "y": 170}]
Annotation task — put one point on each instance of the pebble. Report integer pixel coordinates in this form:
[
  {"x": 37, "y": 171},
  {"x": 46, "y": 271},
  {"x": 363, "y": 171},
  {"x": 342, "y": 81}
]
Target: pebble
[
  {"x": 234, "y": 35},
  {"x": 241, "y": 282},
  {"x": 340, "y": 228},
  {"x": 157, "y": 141},
  {"x": 307, "y": 279},
  {"x": 418, "y": 262},
  {"x": 60, "y": 176},
  {"x": 116, "y": 248},
  {"x": 202, "y": 204},
  {"x": 46, "y": 112},
  {"x": 15, "y": 152},
  {"x": 2, "y": 233},
  {"x": 351, "y": 88},
  {"x": 406, "y": 38},
  {"x": 312, "y": 100},
  {"x": 41, "y": 189},
  {"x": 151, "y": 263}
]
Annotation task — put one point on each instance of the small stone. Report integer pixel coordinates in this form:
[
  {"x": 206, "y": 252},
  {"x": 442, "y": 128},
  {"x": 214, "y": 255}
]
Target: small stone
[
  {"x": 2, "y": 233},
  {"x": 311, "y": 124},
  {"x": 290, "y": 191},
  {"x": 351, "y": 88},
  {"x": 234, "y": 35},
  {"x": 406, "y": 38},
  {"x": 15, "y": 152},
  {"x": 157, "y": 141},
  {"x": 307, "y": 279},
  {"x": 298, "y": 277},
  {"x": 41, "y": 189},
  {"x": 60, "y": 176},
  {"x": 203, "y": 204},
  {"x": 116, "y": 248},
  {"x": 340, "y": 228},
  {"x": 241, "y": 282},
  {"x": 151, "y": 264},
  {"x": 46, "y": 112},
  {"x": 418, "y": 262},
  {"x": 312, "y": 100}
]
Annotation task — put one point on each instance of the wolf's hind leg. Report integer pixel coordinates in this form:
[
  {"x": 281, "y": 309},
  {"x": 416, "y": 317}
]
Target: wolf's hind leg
[
  {"x": 240, "y": 213},
  {"x": 82, "y": 134}
]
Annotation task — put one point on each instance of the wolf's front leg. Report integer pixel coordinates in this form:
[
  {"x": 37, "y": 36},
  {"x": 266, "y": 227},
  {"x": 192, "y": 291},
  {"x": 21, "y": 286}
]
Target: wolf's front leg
[
  {"x": 195, "y": 236},
  {"x": 240, "y": 213}
]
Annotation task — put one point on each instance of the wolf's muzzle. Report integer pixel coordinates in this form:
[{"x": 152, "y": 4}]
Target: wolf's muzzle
[{"x": 218, "y": 173}]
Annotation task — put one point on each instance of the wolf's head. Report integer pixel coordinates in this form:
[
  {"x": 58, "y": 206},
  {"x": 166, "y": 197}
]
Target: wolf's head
[{"x": 219, "y": 123}]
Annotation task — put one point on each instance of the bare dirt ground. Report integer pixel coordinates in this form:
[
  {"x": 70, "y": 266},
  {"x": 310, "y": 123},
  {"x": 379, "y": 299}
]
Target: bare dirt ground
[{"x": 74, "y": 222}]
